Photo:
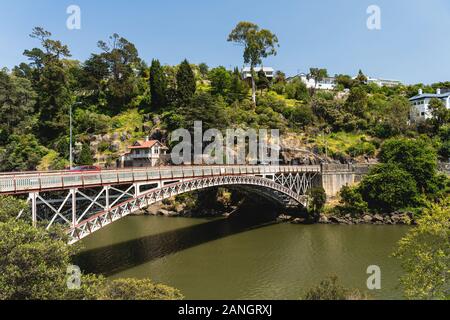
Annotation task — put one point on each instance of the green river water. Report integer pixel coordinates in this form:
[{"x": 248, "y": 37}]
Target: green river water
[{"x": 225, "y": 259}]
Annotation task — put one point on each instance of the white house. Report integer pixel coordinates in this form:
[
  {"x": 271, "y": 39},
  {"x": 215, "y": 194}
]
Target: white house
[
  {"x": 147, "y": 153},
  {"x": 384, "y": 82},
  {"x": 268, "y": 71},
  {"x": 421, "y": 102},
  {"x": 327, "y": 83}
]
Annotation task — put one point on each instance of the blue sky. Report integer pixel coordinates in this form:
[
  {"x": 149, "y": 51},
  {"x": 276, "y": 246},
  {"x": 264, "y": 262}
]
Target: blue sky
[{"x": 413, "y": 44}]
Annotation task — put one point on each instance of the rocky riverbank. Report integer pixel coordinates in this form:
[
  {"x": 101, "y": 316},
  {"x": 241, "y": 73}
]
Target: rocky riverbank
[
  {"x": 294, "y": 217},
  {"x": 394, "y": 218},
  {"x": 181, "y": 211}
]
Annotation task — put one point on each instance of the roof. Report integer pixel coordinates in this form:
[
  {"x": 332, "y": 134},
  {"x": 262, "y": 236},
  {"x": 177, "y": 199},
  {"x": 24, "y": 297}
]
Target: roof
[
  {"x": 144, "y": 144},
  {"x": 430, "y": 96},
  {"x": 265, "y": 69}
]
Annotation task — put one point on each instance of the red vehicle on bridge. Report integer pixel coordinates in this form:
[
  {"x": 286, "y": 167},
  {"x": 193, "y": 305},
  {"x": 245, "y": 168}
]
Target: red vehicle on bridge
[{"x": 86, "y": 169}]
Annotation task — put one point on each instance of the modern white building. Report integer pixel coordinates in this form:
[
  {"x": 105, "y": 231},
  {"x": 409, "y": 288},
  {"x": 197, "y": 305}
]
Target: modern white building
[
  {"x": 268, "y": 71},
  {"x": 421, "y": 102},
  {"x": 327, "y": 83},
  {"x": 384, "y": 82}
]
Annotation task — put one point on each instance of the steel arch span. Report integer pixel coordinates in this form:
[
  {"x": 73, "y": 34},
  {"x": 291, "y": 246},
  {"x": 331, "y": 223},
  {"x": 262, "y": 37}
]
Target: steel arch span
[
  {"x": 86, "y": 202},
  {"x": 96, "y": 222}
]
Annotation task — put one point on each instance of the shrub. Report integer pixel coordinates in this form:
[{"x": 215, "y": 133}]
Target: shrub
[
  {"x": 388, "y": 187},
  {"x": 351, "y": 202},
  {"x": 331, "y": 289}
]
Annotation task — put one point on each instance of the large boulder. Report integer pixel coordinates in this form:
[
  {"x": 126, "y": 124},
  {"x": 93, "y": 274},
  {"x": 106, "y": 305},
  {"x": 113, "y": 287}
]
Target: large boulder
[{"x": 367, "y": 218}]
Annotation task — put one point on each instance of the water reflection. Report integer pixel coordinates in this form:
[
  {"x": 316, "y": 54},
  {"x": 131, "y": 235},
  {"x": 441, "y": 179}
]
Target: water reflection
[{"x": 114, "y": 258}]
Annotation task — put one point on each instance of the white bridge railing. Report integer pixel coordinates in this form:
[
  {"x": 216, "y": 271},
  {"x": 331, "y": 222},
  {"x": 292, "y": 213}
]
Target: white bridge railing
[{"x": 26, "y": 182}]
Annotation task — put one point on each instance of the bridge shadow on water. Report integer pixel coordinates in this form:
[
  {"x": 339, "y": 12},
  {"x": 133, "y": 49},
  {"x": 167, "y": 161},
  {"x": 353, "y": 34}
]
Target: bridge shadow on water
[{"x": 112, "y": 259}]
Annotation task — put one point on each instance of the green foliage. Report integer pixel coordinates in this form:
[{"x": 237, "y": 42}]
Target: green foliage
[
  {"x": 203, "y": 107},
  {"x": 297, "y": 90},
  {"x": 158, "y": 85},
  {"x": 203, "y": 68},
  {"x": 388, "y": 187},
  {"x": 17, "y": 100},
  {"x": 85, "y": 157},
  {"x": 301, "y": 116},
  {"x": 414, "y": 156},
  {"x": 318, "y": 199},
  {"x": 10, "y": 208},
  {"x": 440, "y": 114},
  {"x": 23, "y": 153},
  {"x": 115, "y": 69},
  {"x": 262, "y": 82},
  {"x": 51, "y": 82},
  {"x": 357, "y": 102},
  {"x": 89, "y": 122},
  {"x": 258, "y": 44},
  {"x": 220, "y": 81},
  {"x": 425, "y": 256},
  {"x": 133, "y": 289},
  {"x": 186, "y": 84},
  {"x": 331, "y": 289},
  {"x": 238, "y": 88},
  {"x": 444, "y": 148},
  {"x": 95, "y": 287},
  {"x": 33, "y": 263},
  {"x": 351, "y": 202},
  {"x": 52, "y": 161},
  {"x": 362, "y": 148}
]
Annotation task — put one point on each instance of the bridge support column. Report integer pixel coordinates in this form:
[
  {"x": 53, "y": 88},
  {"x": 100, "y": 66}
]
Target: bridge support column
[
  {"x": 73, "y": 193},
  {"x": 33, "y": 198},
  {"x": 107, "y": 206}
]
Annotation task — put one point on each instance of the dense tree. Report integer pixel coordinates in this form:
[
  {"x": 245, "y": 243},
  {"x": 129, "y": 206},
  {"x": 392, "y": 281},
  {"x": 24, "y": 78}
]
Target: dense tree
[
  {"x": 439, "y": 113},
  {"x": 351, "y": 202},
  {"x": 51, "y": 84},
  {"x": 134, "y": 289},
  {"x": 416, "y": 157},
  {"x": 158, "y": 85},
  {"x": 116, "y": 69},
  {"x": 203, "y": 68},
  {"x": 331, "y": 289},
  {"x": 262, "y": 82},
  {"x": 17, "y": 100},
  {"x": 318, "y": 200},
  {"x": 425, "y": 255},
  {"x": 85, "y": 157},
  {"x": 33, "y": 263},
  {"x": 186, "y": 84},
  {"x": 203, "y": 107},
  {"x": 317, "y": 75},
  {"x": 345, "y": 81},
  {"x": 10, "y": 208},
  {"x": 220, "y": 81},
  {"x": 238, "y": 88},
  {"x": 357, "y": 102},
  {"x": 388, "y": 187},
  {"x": 301, "y": 116},
  {"x": 297, "y": 90},
  {"x": 258, "y": 44},
  {"x": 23, "y": 153},
  {"x": 361, "y": 78}
]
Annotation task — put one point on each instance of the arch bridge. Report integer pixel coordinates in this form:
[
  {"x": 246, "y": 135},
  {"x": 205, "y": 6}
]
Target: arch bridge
[{"x": 88, "y": 201}]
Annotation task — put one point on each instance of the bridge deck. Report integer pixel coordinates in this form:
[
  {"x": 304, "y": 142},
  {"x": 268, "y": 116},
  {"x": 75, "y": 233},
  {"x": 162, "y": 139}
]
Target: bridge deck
[{"x": 26, "y": 182}]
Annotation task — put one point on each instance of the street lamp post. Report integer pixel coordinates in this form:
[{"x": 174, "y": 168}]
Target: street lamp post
[{"x": 70, "y": 141}]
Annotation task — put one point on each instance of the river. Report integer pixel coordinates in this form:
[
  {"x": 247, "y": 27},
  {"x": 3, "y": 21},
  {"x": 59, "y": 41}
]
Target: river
[{"x": 225, "y": 259}]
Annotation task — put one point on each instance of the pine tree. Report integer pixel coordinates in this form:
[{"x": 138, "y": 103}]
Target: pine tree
[
  {"x": 158, "y": 85},
  {"x": 85, "y": 158},
  {"x": 186, "y": 84}
]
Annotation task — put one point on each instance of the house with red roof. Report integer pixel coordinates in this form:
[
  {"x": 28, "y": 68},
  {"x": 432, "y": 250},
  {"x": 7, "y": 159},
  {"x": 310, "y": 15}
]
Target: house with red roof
[{"x": 147, "y": 153}]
